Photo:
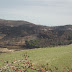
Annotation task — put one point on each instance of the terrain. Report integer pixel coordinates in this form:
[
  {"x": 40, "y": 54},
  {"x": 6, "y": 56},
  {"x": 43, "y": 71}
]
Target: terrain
[
  {"x": 28, "y": 35},
  {"x": 56, "y": 57},
  {"x": 28, "y": 47}
]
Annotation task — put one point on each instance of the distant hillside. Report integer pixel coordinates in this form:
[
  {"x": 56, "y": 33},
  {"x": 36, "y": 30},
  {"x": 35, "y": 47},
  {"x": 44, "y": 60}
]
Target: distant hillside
[
  {"x": 29, "y": 35},
  {"x": 13, "y": 23}
]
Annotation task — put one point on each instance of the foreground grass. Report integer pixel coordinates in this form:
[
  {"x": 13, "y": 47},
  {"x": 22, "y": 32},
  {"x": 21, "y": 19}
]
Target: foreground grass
[{"x": 55, "y": 56}]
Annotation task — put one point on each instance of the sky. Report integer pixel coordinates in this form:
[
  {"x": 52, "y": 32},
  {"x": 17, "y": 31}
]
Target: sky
[{"x": 40, "y": 12}]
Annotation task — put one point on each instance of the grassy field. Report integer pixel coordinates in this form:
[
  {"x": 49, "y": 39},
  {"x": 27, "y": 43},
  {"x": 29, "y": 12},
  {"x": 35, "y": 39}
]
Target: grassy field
[{"x": 60, "y": 56}]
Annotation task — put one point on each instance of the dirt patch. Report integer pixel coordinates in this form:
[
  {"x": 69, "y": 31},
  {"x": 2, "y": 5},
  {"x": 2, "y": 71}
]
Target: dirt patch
[{"x": 5, "y": 50}]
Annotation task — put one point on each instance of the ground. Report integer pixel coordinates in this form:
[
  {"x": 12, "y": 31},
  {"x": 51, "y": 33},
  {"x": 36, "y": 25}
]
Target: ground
[{"x": 60, "y": 57}]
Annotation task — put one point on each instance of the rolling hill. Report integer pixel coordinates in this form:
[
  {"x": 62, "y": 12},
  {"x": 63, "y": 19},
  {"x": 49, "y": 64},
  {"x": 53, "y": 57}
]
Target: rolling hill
[{"x": 29, "y": 35}]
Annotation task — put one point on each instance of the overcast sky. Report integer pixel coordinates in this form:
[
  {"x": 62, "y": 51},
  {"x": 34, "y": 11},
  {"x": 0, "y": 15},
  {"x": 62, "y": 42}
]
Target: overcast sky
[{"x": 42, "y": 12}]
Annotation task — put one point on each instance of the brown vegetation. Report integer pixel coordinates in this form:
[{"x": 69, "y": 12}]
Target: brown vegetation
[{"x": 16, "y": 33}]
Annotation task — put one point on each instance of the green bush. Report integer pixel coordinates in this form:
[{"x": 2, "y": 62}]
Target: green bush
[{"x": 31, "y": 44}]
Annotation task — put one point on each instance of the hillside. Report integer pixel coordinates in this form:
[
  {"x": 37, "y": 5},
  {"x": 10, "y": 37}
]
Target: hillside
[{"x": 29, "y": 35}]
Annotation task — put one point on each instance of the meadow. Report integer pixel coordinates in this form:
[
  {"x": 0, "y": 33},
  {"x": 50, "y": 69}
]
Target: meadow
[{"x": 59, "y": 57}]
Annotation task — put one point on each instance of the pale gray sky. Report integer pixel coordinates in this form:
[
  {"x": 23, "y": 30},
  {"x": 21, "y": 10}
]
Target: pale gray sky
[{"x": 43, "y": 12}]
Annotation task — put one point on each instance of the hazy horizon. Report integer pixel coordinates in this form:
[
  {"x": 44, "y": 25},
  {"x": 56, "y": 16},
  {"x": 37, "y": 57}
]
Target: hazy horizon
[{"x": 41, "y": 12}]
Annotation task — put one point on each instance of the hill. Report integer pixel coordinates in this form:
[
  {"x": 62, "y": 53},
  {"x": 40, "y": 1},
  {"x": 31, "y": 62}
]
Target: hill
[{"x": 29, "y": 35}]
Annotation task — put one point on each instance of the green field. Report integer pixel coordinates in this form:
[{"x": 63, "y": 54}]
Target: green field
[{"x": 60, "y": 56}]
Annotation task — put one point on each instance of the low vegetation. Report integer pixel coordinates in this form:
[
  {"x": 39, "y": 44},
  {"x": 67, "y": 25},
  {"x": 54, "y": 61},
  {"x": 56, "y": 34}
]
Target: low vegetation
[{"x": 54, "y": 59}]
